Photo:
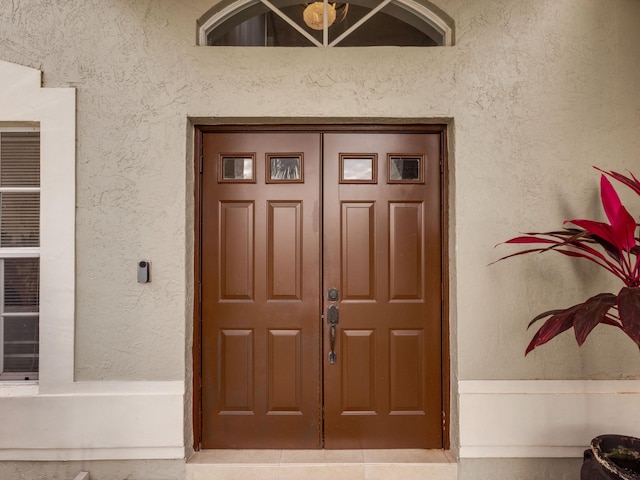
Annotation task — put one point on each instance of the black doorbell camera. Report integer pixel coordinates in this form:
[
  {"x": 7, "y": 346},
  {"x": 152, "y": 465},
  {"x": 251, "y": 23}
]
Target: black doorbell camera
[{"x": 143, "y": 271}]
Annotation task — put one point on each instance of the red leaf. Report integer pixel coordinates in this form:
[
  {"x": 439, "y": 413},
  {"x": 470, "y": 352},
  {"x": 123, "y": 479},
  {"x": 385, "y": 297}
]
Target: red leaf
[
  {"x": 632, "y": 182},
  {"x": 610, "y": 200},
  {"x": 591, "y": 313},
  {"x": 625, "y": 228},
  {"x": 613, "y": 322},
  {"x": 629, "y": 310},
  {"x": 611, "y": 250},
  {"x": 599, "y": 229},
  {"x": 621, "y": 221},
  {"x": 545, "y": 314},
  {"x": 530, "y": 239},
  {"x": 571, "y": 242},
  {"x": 583, "y": 317},
  {"x": 523, "y": 252},
  {"x": 555, "y": 325}
]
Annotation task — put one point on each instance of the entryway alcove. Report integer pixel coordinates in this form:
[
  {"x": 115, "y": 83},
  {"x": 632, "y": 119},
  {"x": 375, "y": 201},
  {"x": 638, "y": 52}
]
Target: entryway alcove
[{"x": 320, "y": 260}]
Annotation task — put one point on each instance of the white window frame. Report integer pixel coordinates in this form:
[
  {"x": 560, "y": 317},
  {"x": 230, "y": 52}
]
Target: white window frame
[
  {"x": 25, "y": 104},
  {"x": 15, "y": 252}
]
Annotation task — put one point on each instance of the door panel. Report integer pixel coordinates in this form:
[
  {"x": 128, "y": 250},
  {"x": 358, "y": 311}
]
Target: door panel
[
  {"x": 236, "y": 251},
  {"x": 384, "y": 390},
  {"x": 260, "y": 282},
  {"x": 266, "y": 270},
  {"x": 358, "y": 244},
  {"x": 285, "y": 250},
  {"x": 405, "y": 251}
]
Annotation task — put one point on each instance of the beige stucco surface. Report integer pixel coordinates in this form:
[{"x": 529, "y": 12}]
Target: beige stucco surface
[{"x": 534, "y": 92}]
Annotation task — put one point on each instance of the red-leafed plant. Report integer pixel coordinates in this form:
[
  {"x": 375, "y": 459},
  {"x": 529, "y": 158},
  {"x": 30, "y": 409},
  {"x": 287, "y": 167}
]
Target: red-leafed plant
[{"x": 614, "y": 246}]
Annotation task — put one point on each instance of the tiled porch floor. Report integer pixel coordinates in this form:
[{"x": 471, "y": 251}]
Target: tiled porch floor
[{"x": 321, "y": 465}]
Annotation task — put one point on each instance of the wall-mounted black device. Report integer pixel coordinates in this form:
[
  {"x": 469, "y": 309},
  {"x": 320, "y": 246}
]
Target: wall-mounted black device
[{"x": 144, "y": 271}]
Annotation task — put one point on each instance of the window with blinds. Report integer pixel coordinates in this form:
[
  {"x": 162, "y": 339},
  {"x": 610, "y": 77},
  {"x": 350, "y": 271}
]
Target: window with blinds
[{"x": 19, "y": 253}]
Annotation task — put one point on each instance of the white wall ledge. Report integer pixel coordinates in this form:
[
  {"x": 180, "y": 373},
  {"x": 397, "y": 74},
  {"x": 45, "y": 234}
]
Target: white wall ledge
[
  {"x": 543, "y": 418},
  {"x": 95, "y": 421}
]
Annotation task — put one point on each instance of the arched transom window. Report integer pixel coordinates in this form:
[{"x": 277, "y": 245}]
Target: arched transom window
[{"x": 287, "y": 23}]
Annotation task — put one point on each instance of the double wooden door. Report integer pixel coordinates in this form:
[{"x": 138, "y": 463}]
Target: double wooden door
[{"x": 320, "y": 269}]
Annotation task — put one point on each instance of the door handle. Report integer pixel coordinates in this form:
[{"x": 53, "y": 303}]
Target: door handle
[{"x": 332, "y": 320}]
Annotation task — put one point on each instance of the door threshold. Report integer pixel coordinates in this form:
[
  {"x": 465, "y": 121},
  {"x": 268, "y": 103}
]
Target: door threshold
[{"x": 407, "y": 464}]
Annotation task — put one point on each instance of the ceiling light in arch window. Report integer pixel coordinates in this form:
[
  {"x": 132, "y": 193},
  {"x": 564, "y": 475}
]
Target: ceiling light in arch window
[{"x": 313, "y": 14}]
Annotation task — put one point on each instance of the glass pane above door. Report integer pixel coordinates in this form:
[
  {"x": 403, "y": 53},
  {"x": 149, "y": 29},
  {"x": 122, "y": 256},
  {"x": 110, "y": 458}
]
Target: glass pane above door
[{"x": 286, "y": 23}]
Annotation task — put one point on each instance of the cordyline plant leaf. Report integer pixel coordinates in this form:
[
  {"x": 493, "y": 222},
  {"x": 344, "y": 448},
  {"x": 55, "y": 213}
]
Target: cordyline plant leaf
[
  {"x": 629, "y": 309},
  {"x": 621, "y": 220},
  {"x": 613, "y": 246},
  {"x": 592, "y": 312},
  {"x": 610, "y": 201},
  {"x": 559, "y": 322},
  {"x": 632, "y": 182},
  {"x": 583, "y": 317},
  {"x": 620, "y": 230}
]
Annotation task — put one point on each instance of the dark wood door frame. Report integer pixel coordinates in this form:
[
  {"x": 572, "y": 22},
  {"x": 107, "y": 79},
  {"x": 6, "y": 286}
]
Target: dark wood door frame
[{"x": 197, "y": 315}]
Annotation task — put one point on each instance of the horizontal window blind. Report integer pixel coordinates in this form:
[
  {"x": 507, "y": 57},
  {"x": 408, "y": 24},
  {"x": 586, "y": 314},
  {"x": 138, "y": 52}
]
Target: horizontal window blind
[
  {"x": 20, "y": 159},
  {"x": 19, "y": 252}
]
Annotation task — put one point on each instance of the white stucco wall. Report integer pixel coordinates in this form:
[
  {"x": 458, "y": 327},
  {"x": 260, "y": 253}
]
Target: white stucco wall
[{"x": 535, "y": 93}]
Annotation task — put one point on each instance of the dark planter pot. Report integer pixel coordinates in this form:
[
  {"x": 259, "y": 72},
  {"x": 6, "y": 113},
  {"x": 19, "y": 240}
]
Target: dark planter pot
[{"x": 612, "y": 457}]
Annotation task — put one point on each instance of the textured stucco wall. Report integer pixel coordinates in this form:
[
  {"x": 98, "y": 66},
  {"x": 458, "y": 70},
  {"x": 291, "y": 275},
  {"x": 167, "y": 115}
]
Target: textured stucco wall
[{"x": 537, "y": 91}]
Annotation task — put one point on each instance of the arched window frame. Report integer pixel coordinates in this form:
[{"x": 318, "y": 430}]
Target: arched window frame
[{"x": 215, "y": 17}]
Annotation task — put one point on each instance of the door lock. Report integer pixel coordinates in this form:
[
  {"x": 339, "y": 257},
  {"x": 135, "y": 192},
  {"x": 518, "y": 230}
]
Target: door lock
[{"x": 333, "y": 294}]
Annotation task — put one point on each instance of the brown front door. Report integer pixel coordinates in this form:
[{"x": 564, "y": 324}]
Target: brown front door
[{"x": 320, "y": 261}]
